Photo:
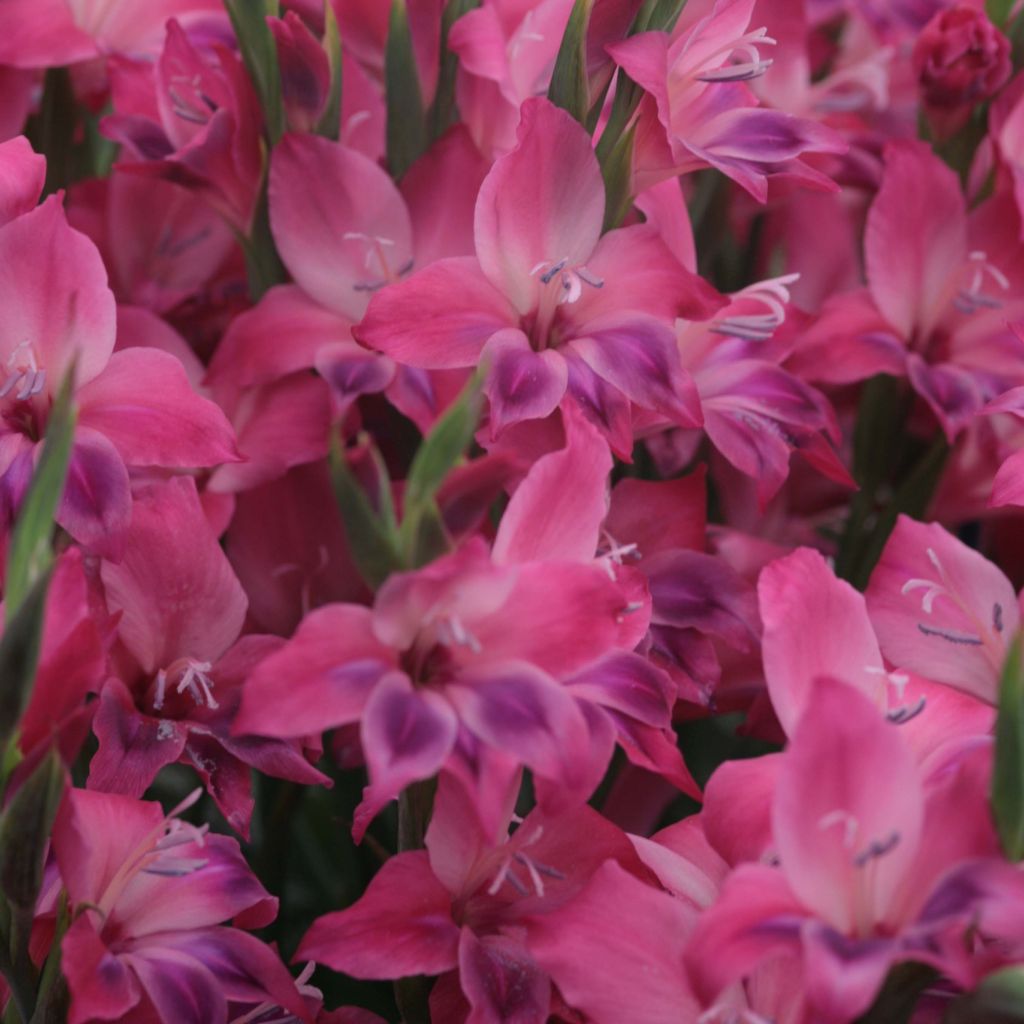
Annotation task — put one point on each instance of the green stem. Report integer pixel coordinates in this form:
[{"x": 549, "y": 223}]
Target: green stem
[{"x": 414, "y": 809}]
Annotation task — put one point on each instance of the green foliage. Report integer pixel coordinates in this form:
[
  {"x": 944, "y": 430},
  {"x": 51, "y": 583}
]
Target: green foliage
[
  {"x": 568, "y": 88},
  {"x": 1008, "y": 769},
  {"x": 259, "y": 52},
  {"x": 406, "y": 124}
]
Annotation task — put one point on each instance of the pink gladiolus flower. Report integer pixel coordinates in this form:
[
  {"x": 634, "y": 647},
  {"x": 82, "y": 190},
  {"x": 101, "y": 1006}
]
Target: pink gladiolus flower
[
  {"x": 192, "y": 119},
  {"x": 864, "y": 849},
  {"x": 177, "y": 687},
  {"x": 551, "y": 307},
  {"x": 148, "y": 895},
  {"x": 136, "y": 407},
  {"x": 942, "y": 289},
  {"x": 52, "y": 33},
  {"x": 701, "y": 114},
  {"x": 459, "y": 908}
]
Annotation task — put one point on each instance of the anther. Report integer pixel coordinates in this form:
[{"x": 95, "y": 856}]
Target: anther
[{"x": 876, "y": 848}]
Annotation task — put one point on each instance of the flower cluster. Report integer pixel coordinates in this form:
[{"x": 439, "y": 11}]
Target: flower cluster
[{"x": 510, "y": 511}]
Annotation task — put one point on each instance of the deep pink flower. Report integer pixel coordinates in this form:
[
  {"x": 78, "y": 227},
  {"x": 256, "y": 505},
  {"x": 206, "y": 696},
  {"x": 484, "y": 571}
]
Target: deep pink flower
[
  {"x": 960, "y": 59},
  {"x": 192, "y": 119},
  {"x": 136, "y": 407},
  {"x": 864, "y": 848},
  {"x": 178, "y": 679},
  {"x": 148, "y": 895},
  {"x": 549, "y": 305},
  {"x": 701, "y": 114}
]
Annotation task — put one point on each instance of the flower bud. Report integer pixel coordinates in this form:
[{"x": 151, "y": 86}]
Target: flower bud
[{"x": 960, "y": 59}]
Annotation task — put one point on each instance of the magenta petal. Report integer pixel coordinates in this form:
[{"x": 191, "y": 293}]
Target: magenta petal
[
  {"x": 174, "y": 587},
  {"x": 96, "y": 506},
  {"x": 557, "y": 510},
  {"x": 246, "y": 969},
  {"x": 798, "y": 592},
  {"x": 54, "y": 294},
  {"x": 401, "y": 926},
  {"x": 521, "y": 710},
  {"x": 501, "y": 981},
  {"x": 102, "y": 987},
  {"x": 756, "y": 916},
  {"x": 1008, "y": 485},
  {"x": 351, "y": 371},
  {"x": 320, "y": 679},
  {"x": 941, "y": 609},
  {"x": 521, "y": 384},
  {"x": 133, "y": 747},
  {"x": 283, "y": 424},
  {"x": 605, "y": 406},
  {"x": 637, "y": 354},
  {"x": 542, "y": 203},
  {"x": 848, "y": 796},
  {"x": 22, "y": 173},
  {"x": 738, "y": 807},
  {"x": 439, "y": 319},
  {"x": 629, "y": 684},
  {"x": 180, "y": 987},
  {"x": 339, "y": 222},
  {"x": 144, "y": 405},
  {"x": 251, "y": 352},
  {"x": 614, "y": 931},
  {"x": 916, "y": 238},
  {"x": 953, "y": 393},
  {"x": 692, "y": 590},
  {"x": 406, "y": 735}
]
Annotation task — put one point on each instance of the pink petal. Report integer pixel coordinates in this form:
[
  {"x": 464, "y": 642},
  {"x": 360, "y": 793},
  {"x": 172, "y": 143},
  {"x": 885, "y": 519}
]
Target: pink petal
[
  {"x": 251, "y": 351},
  {"x": 406, "y": 736},
  {"x": 520, "y": 710},
  {"x": 441, "y": 190},
  {"x": 629, "y": 684},
  {"x": 615, "y": 930},
  {"x": 322, "y": 678},
  {"x": 102, "y": 987},
  {"x": 542, "y": 203},
  {"x": 338, "y": 220},
  {"x": 174, "y": 587},
  {"x": 638, "y": 355},
  {"x": 143, "y": 403},
  {"x": 133, "y": 747},
  {"x": 521, "y": 384},
  {"x": 501, "y": 981},
  {"x": 814, "y": 625},
  {"x": 848, "y": 810},
  {"x": 280, "y": 425},
  {"x": 96, "y": 505},
  {"x": 54, "y": 295},
  {"x": 942, "y": 610},
  {"x": 22, "y": 173},
  {"x": 916, "y": 238},
  {"x": 1008, "y": 485},
  {"x": 401, "y": 926},
  {"x": 738, "y": 806},
  {"x": 439, "y": 319},
  {"x": 640, "y": 273},
  {"x": 664, "y": 207},
  {"x": 557, "y": 510},
  {"x": 178, "y": 986},
  {"x": 954, "y": 394},
  {"x": 756, "y": 916},
  {"x": 659, "y": 515}
]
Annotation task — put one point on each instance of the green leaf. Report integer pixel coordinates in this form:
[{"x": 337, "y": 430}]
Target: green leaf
[
  {"x": 568, "y": 88},
  {"x": 406, "y": 126},
  {"x": 998, "y": 11},
  {"x": 329, "y": 124},
  {"x": 422, "y": 535},
  {"x": 30, "y": 552},
  {"x": 19, "y": 658},
  {"x": 658, "y": 16},
  {"x": 618, "y": 177},
  {"x": 25, "y": 830},
  {"x": 263, "y": 265},
  {"x": 999, "y": 999},
  {"x": 443, "y": 114},
  {"x": 1008, "y": 770},
  {"x": 259, "y": 52},
  {"x": 372, "y": 540}
]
